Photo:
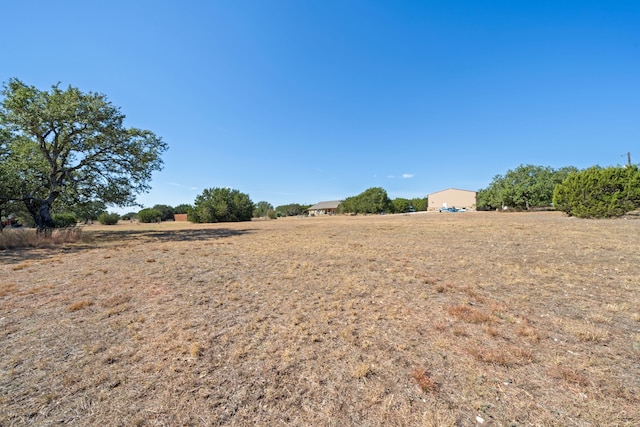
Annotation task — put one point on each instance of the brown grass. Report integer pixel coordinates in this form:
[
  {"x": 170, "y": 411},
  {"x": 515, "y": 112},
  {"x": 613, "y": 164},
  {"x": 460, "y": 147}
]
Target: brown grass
[
  {"x": 79, "y": 305},
  {"x": 14, "y": 238},
  {"x": 522, "y": 319}
]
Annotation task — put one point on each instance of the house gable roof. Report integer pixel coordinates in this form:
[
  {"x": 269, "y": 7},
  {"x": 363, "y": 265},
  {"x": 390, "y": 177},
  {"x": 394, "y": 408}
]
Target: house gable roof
[{"x": 333, "y": 204}]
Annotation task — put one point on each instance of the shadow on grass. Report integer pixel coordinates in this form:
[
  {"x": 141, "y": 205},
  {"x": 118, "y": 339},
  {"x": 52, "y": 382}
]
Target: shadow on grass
[
  {"x": 95, "y": 239},
  {"x": 166, "y": 235}
]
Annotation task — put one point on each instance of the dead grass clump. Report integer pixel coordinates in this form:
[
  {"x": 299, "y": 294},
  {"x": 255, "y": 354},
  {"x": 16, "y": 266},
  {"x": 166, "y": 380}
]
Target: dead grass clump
[
  {"x": 506, "y": 356},
  {"x": 443, "y": 287},
  {"x": 526, "y": 330},
  {"x": 363, "y": 370},
  {"x": 7, "y": 288},
  {"x": 590, "y": 334},
  {"x": 195, "y": 349},
  {"x": 424, "y": 380},
  {"x": 66, "y": 235},
  {"x": 115, "y": 301},
  {"x": 79, "y": 305},
  {"x": 22, "y": 266},
  {"x": 29, "y": 238},
  {"x": 569, "y": 375},
  {"x": 469, "y": 314}
]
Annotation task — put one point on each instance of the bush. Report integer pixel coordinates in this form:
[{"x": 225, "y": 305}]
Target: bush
[
  {"x": 129, "y": 216},
  {"x": 182, "y": 209},
  {"x": 149, "y": 215},
  {"x": 221, "y": 205},
  {"x": 109, "y": 218},
  {"x": 166, "y": 212},
  {"x": 599, "y": 192},
  {"x": 372, "y": 200},
  {"x": 64, "y": 220}
]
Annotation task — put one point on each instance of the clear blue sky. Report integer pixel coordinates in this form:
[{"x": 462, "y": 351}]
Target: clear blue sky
[{"x": 303, "y": 101}]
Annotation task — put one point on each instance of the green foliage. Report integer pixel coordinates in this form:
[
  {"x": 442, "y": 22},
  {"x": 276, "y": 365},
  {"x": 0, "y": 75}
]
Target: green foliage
[
  {"x": 72, "y": 146},
  {"x": 166, "y": 212},
  {"x": 420, "y": 203},
  {"x": 292, "y": 209},
  {"x": 149, "y": 215},
  {"x": 129, "y": 216},
  {"x": 599, "y": 192},
  {"x": 89, "y": 211},
  {"x": 221, "y": 205},
  {"x": 523, "y": 188},
  {"x": 64, "y": 220},
  {"x": 372, "y": 200},
  {"x": 264, "y": 209},
  {"x": 182, "y": 209},
  {"x": 109, "y": 218},
  {"x": 401, "y": 205}
]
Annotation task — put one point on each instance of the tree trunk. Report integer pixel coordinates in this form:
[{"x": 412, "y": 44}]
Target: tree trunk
[{"x": 40, "y": 211}]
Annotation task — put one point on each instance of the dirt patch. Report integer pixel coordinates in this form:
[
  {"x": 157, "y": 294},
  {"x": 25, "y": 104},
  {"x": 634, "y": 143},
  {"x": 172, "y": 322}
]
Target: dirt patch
[{"x": 424, "y": 319}]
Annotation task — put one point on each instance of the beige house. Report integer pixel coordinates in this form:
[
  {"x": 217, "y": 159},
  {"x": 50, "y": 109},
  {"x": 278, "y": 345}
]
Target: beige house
[
  {"x": 452, "y": 198},
  {"x": 324, "y": 208}
]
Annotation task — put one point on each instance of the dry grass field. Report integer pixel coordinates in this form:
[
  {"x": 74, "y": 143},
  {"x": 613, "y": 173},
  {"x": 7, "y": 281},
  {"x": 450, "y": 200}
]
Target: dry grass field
[{"x": 404, "y": 320}]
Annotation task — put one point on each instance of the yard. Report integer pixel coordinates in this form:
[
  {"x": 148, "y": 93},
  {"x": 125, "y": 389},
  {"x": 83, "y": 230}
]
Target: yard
[{"x": 435, "y": 319}]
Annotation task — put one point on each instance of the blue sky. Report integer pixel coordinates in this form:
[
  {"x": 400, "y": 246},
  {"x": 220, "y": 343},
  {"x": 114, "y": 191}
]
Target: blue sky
[{"x": 303, "y": 101}]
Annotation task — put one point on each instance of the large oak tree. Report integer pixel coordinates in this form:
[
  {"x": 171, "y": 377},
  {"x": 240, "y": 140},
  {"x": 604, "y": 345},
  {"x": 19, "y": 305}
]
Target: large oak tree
[{"x": 66, "y": 145}]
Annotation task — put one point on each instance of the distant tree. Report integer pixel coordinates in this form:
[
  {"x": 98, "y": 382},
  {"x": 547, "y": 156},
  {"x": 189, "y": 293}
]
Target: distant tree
[
  {"x": 182, "y": 209},
  {"x": 263, "y": 209},
  {"x": 129, "y": 216},
  {"x": 109, "y": 218},
  {"x": 166, "y": 212},
  {"x": 372, "y": 200},
  {"x": 9, "y": 176},
  {"x": 221, "y": 205},
  {"x": 149, "y": 215},
  {"x": 599, "y": 192},
  {"x": 292, "y": 209},
  {"x": 64, "y": 220},
  {"x": 524, "y": 188},
  {"x": 400, "y": 205},
  {"x": 66, "y": 144},
  {"x": 420, "y": 204},
  {"x": 89, "y": 211}
]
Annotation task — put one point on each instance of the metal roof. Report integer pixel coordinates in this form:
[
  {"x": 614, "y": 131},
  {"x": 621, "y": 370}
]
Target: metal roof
[{"x": 326, "y": 205}]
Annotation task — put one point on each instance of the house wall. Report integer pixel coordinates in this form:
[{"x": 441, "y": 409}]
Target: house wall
[
  {"x": 453, "y": 198},
  {"x": 318, "y": 212}
]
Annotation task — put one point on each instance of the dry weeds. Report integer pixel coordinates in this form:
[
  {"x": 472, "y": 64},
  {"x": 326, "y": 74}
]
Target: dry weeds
[{"x": 521, "y": 319}]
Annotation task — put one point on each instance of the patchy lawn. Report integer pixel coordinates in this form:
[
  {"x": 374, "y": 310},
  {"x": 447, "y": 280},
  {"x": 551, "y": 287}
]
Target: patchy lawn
[{"x": 422, "y": 319}]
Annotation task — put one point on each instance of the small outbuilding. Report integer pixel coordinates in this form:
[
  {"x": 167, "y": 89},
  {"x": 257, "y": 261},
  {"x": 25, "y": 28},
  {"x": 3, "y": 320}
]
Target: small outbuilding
[
  {"x": 324, "y": 208},
  {"x": 452, "y": 198}
]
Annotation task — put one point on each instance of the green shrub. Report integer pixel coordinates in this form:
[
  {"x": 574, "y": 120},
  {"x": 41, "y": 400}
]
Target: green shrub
[
  {"x": 599, "y": 192},
  {"x": 129, "y": 216},
  {"x": 64, "y": 220},
  {"x": 149, "y": 215},
  {"x": 166, "y": 212},
  {"x": 109, "y": 218},
  {"x": 221, "y": 205},
  {"x": 182, "y": 209}
]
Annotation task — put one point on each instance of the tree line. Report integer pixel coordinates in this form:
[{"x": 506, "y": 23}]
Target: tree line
[
  {"x": 595, "y": 192},
  {"x": 65, "y": 155}
]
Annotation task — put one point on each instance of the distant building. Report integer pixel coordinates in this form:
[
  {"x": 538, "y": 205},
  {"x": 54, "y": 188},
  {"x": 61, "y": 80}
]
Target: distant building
[
  {"x": 324, "y": 208},
  {"x": 452, "y": 198}
]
